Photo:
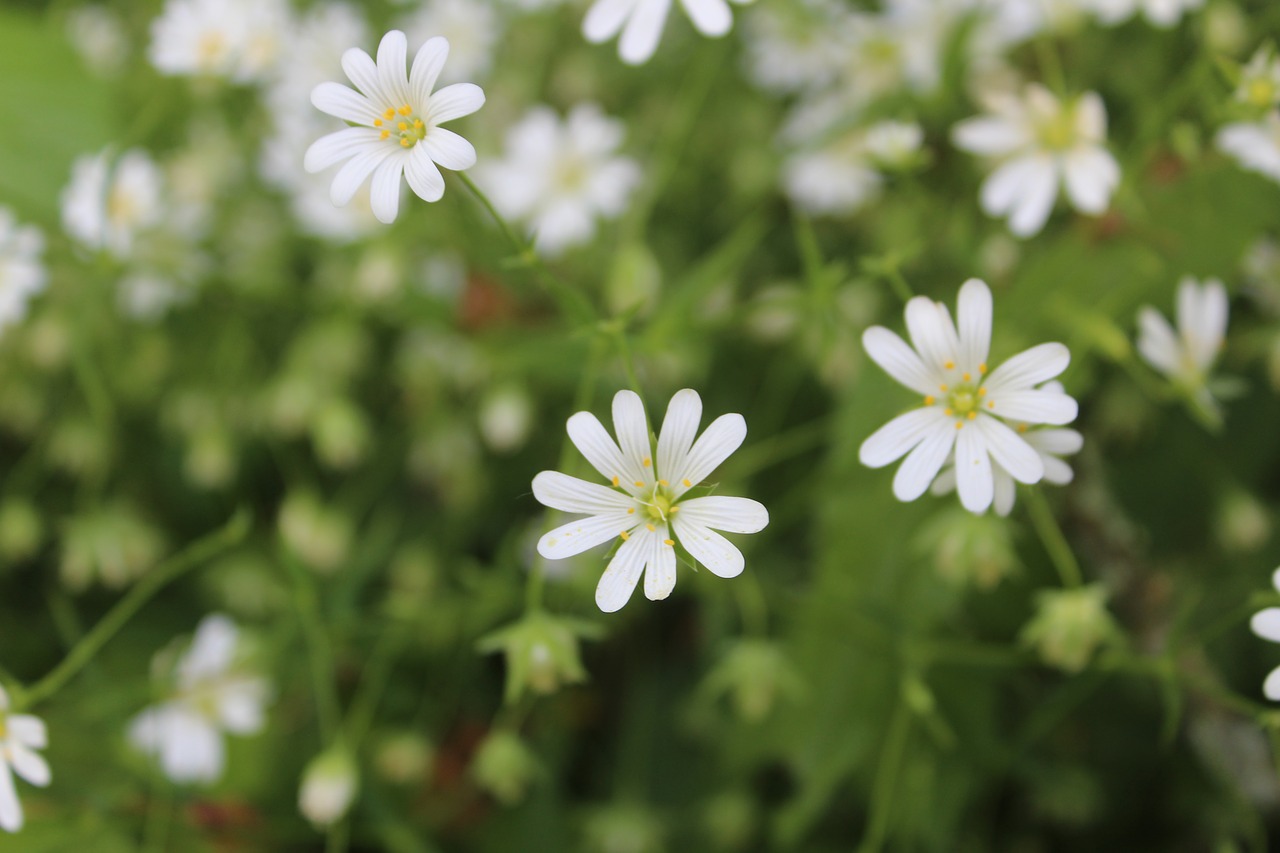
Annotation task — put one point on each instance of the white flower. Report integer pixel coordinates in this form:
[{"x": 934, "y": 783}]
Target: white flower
[
  {"x": 965, "y": 408},
  {"x": 237, "y": 39},
  {"x": 398, "y": 118},
  {"x": 328, "y": 788},
  {"x": 1187, "y": 355},
  {"x": 1160, "y": 13},
  {"x": 1266, "y": 624},
  {"x": 1259, "y": 84},
  {"x": 795, "y": 46},
  {"x": 894, "y": 143},
  {"x": 641, "y": 21},
  {"x": 472, "y": 28},
  {"x": 107, "y": 205},
  {"x": 559, "y": 176},
  {"x": 20, "y": 736},
  {"x": 212, "y": 695},
  {"x": 98, "y": 35},
  {"x": 647, "y": 505},
  {"x": 1254, "y": 145},
  {"x": 837, "y": 178},
  {"x": 22, "y": 273},
  {"x": 1041, "y": 142}
]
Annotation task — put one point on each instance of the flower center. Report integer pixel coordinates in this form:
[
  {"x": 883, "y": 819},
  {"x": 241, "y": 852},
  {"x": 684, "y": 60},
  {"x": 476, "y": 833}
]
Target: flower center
[
  {"x": 402, "y": 125},
  {"x": 660, "y": 504},
  {"x": 1261, "y": 92},
  {"x": 4, "y": 727},
  {"x": 962, "y": 401},
  {"x": 1059, "y": 132}
]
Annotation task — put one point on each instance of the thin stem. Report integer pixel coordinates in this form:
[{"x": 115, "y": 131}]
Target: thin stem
[
  {"x": 377, "y": 671},
  {"x": 895, "y": 744},
  {"x": 899, "y": 284},
  {"x": 1054, "y": 542},
  {"x": 1051, "y": 65},
  {"x": 751, "y": 605},
  {"x": 624, "y": 352},
  {"x": 319, "y": 652},
  {"x": 84, "y": 651}
]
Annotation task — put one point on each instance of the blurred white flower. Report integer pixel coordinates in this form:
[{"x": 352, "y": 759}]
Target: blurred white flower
[
  {"x": 99, "y": 36},
  {"x": 1187, "y": 355},
  {"x": 1266, "y": 624},
  {"x": 20, "y": 736},
  {"x": 791, "y": 47},
  {"x": 559, "y": 176},
  {"x": 22, "y": 272},
  {"x": 1040, "y": 142},
  {"x": 328, "y": 788},
  {"x": 472, "y": 28},
  {"x": 1259, "y": 84},
  {"x": 1159, "y": 13},
  {"x": 894, "y": 143},
  {"x": 646, "y": 505},
  {"x": 240, "y": 40},
  {"x": 212, "y": 694},
  {"x": 397, "y": 118},
  {"x": 1255, "y": 145},
  {"x": 835, "y": 179},
  {"x": 108, "y": 203},
  {"x": 641, "y": 22},
  {"x": 965, "y": 409}
]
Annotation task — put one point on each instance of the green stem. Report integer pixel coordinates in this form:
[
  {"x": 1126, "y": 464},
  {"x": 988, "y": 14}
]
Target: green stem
[
  {"x": 319, "y": 652},
  {"x": 619, "y": 335},
  {"x": 1054, "y": 542},
  {"x": 895, "y": 744},
  {"x": 84, "y": 651},
  {"x": 1051, "y": 65},
  {"x": 899, "y": 284},
  {"x": 377, "y": 670}
]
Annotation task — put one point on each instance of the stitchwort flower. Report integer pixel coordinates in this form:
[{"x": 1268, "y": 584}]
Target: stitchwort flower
[
  {"x": 397, "y": 118},
  {"x": 641, "y": 22},
  {"x": 1266, "y": 624},
  {"x": 967, "y": 409},
  {"x": 1186, "y": 356},
  {"x": 20, "y": 736},
  {"x": 647, "y": 503}
]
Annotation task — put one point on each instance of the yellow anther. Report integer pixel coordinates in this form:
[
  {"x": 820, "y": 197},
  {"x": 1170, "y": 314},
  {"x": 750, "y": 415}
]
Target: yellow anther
[
  {"x": 663, "y": 483},
  {"x": 982, "y": 392},
  {"x": 404, "y": 143},
  {"x": 966, "y": 377},
  {"x": 631, "y": 510},
  {"x": 674, "y": 510},
  {"x": 982, "y": 368},
  {"x": 646, "y": 462},
  {"x": 1022, "y": 427},
  {"x": 972, "y": 415},
  {"x": 401, "y": 126},
  {"x": 949, "y": 365},
  {"x": 668, "y": 541},
  {"x": 639, "y": 484},
  {"x": 386, "y": 134},
  {"x": 377, "y": 122},
  {"x": 991, "y": 404},
  {"x": 687, "y": 484},
  {"x": 406, "y": 110},
  {"x": 942, "y": 388},
  {"x": 625, "y": 535},
  {"x": 417, "y": 122},
  {"x": 959, "y": 424},
  {"x": 389, "y": 114},
  {"x": 616, "y": 481},
  {"x": 947, "y": 412},
  {"x": 929, "y": 400},
  {"x": 651, "y": 527}
]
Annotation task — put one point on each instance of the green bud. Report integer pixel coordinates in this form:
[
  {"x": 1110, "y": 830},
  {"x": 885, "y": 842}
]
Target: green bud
[
  {"x": 634, "y": 282},
  {"x": 210, "y": 462},
  {"x": 504, "y": 767},
  {"x": 404, "y": 758},
  {"x": 317, "y": 535},
  {"x": 541, "y": 652},
  {"x": 623, "y": 828},
  {"x": 1069, "y": 626},
  {"x": 970, "y": 549},
  {"x": 506, "y": 414},
  {"x": 113, "y": 544},
  {"x": 328, "y": 788},
  {"x": 754, "y": 675},
  {"x": 340, "y": 433},
  {"x": 1242, "y": 523},
  {"x": 21, "y": 530}
]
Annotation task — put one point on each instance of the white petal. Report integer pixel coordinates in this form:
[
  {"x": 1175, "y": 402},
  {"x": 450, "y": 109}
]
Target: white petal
[
  {"x": 721, "y": 557},
  {"x": 1157, "y": 342},
  {"x": 342, "y": 102},
  {"x": 1058, "y": 442},
  {"x": 338, "y": 146},
  {"x": 973, "y": 313},
  {"x": 1033, "y": 407},
  {"x": 1271, "y": 687},
  {"x": 427, "y": 65},
  {"x": 1008, "y": 449},
  {"x": 28, "y": 730},
  {"x": 363, "y": 72},
  {"x": 1056, "y": 471},
  {"x": 584, "y": 533},
  {"x": 632, "y": 428},
  {"x": 605, "y": 19},
  {"x": 640, "y": 37},
  {"x": 424, "y": 178},
  {"x": 355, "y": 172},
  {"x": 989, "y": 136},
  {"x": 569, "y": 494},
  {"x": 589, "y": 436},
  {"x": 29, "y": 765},
  {"x": 619, "y": 579},
  {"x": 1266, "y": 624},
  {"x": 711, "y": 17},
  {"x": 1091, "y": 175},
  {"x": 1202, "y": 319},
  {"x": 393, "y": 68},
  {"x": 734, "y": 515},
  {"x": 679, "y": 427},
  {"x": 1091, "y": 117},
  {"x": 945, "y": 482},
  {"x": 240, "y": 704},
  {"x": 973, "y": 471},
  {"x": 191, "y": 749},
  {"x": 893, "y": 440},
  {"x": 456, "y": 101},
  {"x": 660, "y": 574},
  {"x": 717, "y": 442},
  {"x": 1004, "y": 492},
  {"x": 932, "y": 333},
  {"x": 10, "y": 808},
  {"x": 1028, "y": 368},
  {"x": 212, "y": 649},
  {"x": 922, "y": 464},
  {"x": 1003, "y": 187},
  {"x": 1036, "y": 199},
  {"x": 384, "y": 190},
  {"x": 449, "y": 149},
  {"x": 898, "y": 360}
]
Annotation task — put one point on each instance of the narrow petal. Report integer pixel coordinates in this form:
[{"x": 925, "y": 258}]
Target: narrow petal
[
  {"x": 605, "y": 18},
  {"x": 1271, "y": 687},
  {"x": 679, "y": 428},
  {"x": 973, "y": 471},
  {"x": 393, "y": 68},
  {"x": 424, "y": 178},
  {"x": 354, "y": 173},
  {"x": 1029, "y": 368},
  {"x": 582, "y": 534},
  {"x": 632, "y": 428},
  {"x": 1266, "y": 624},
  {"x": 1008, "y": 449},
  {"x": 342, "y": 102},
  {"x": 1036, "y": 198},
  {"x": 921, "y": 465},
  {"x": 898, "y": 360},
  {"x": 449, "y": 149},
  {"x": 1157, "y": 342},
  {"x": 28, "y": 730},
  {"x": 896, "y": 438},
  {"x": 1005, "y": 490},
  {"x": 725, "y": 435},
  {"x": 734, "y": 515},
  {"x": 456, "y": 101},
  {"x": 1091, "y": 175},
  {"x": 973, "y": 313},
  {"x": 427, "y": 65},
  {"x": 384, "y": 190},
  {"x": 212, "y": 649},
  {"x": 569, "y": 494},
  {"x": 932, "y": 333},
  {"x": 589, "y": 436},
  {"x": 1058, "y": 442},
  {"x": 363, "y": 72},
  {"x": 10, "y": 808},
  {"x": 1003, "y": 187},
  {"x": 640, "y": 37},
  {"x": 989, "y": 136},
  {"x": 1056, "y": 471},
  {"x": 1033, "y": 407},
  {"x": 191, "y": 750},
  {"x": 29, "y": 765},
  {"x": 660, "y": 575},
  {"x": 619, "y": 579},
  {"x": 710, "y": 17},
  {"x": 721, "y": 557},
  {"x": 338, "y": 146},
  {"x": 240, "y": 704}
]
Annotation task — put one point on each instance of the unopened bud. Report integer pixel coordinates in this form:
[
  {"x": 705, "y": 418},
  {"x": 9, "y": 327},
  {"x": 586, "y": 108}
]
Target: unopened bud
[
  {"x": 328, "y": 787},
  {"x": 1069, "y": 626}
]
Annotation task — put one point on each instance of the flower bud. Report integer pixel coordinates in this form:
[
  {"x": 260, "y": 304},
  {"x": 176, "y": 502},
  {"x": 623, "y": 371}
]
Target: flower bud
[
  {"x": 970, "y": 549},
  {"x": 21, "y": 530},
  {"x": 1069, "y": 625},
  {"x": 210, "y": 461},
  {"x": 113, "y": 543},
  {"x": 1242, "y": 524},
  {"x": 340, "y": 433},
  {"x": 623, "y": 828},
  {"x": 319, "y": 536},
  {"x": 506, "y": 415},
  {"x": 541, "y": 651},
  {"x": 329, "y": 785},
  {"x": 754, "y": 674},
  {"x": 634, "y": 282},
  {"x": 504, "y": 767},
  {"x": 404, "y": 758}
]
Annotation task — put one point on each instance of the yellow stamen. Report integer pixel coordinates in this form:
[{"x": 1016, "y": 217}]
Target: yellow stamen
[
  {"x": 982, "y": 368},
  {"x": 663, "y": 483},
  {"x": 646, "y": 462},
  {"x": 674, "y": 510},
  {"x": 389, "y": 114},
  {"x": 631, "y": 510},
  {"x": 402, "y": 126},
  {"x": 982, "y": 392},
  {"x": 991, "y": 404},
  {"x": 639, "y": 484},
  {"x": 966, "y": 377},
  {"x": 651, "y": 527},
  {"x": 959, "y": 424},
  {"x": 615, "y": 481},
  {"x": 929, "y": 400},
  {"x": 947, "y": 412},
  {"x": 942, "y": 388},
  {"x": 406, "y": 110},
  {"x": 1022, "y": 427},
  {"x": 404, "y": 143},
  {"x": 386, "y": 134},
  {"x": 668, "y": 541},
  {"x": 417, "y": 122},
  {"x": 625, "y": 535},
  {"x": 687, "y": 484},
  {"x": 377, "y": 122},
  {"x": 950, "y": 365},
  {"x": 972, "y": 415}
]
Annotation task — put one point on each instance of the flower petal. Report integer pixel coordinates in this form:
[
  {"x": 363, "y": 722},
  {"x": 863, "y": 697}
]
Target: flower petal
[
  {"x": 1091, "y": 175},
  {"x": 212, "y": 649},
  {"x": 363, "y": 73},
  {"x": 632, "y": 428},
  {"x": 721, "y": 557},
  {"x": 660, "y": 574},
  {"x": 589, "y": 436},
  {"x": 717, "y": 442},
  {"x": 338, "y": 146},
  {"x": 449, "y": 149},
  {"x": 384, "y": 190},
  {"x": 1036, "y": 197},
  {"x": 28, "y": 730},
  {"x": 1033, "y": 407},
  {"x": 932, "y": 333},
  {"x": 973, "y": 312},
  {"x": 10, "y": 808},
  {"x": 710, "y": 17},
  {"x": 569, "y": 494},
  {"x": 1003, "y": 187},
  {"x": 1029, "y": 368},
  {"x": 582, "y": 534},
  {"x": 342, "y": 102},
  {"x": 1157, "y": 342},
  {"x": 922, "y": 464},
  {"x": 619, "y": 579},
  {"x": 1058, "y": 442},
  {"x": 1005, "y": 491},
  {"x": 893, "y": 440},
  {"x": 640, "y": 37},
  {"x": 354, "y": 173},
  {"x": 424, "y": 178},
  {"x": 393, "y": 69},
  {"x": 1266, "y": 624},
  {"x": 898, "y": 360},
  {"x": 989, "y": 136},
  {"x": 456, "y": 101},
  {"x": 1271, "y": 687},
  {"x": 605, "y": 19},
  {"x": 734, "y": 515},
  {"x": 974, "y": 481},
  {"x": 427, "y": 65},
  {"x": 679, "y": 428},
  {"x": 1008, "y": 449},
  {"x": 29, "y": 765}
]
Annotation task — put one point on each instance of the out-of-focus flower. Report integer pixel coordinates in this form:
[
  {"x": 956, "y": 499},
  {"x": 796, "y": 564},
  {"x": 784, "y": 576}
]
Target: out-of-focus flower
[
  {"x": 1159, "y": 13},
  {"x": 99, "y": 36},
  {"x": 1040, "y": 142},
  {"x": 754, "y": 675},
  {"x": 1255, "y": 145},
  {"x": 329, "y": 785},
  {"x": 113, "y": 543},
  {"x": 240, "y": 40},
  {"x": 209, "y": 692},
  {"x": 397, "y": 118},
  {"x": 541, "y": 652},
  {"x": 842, "y": 175},
  {"x": 403, "y": 757},
  {"x": 965, "y": 408},
  {"x": 559, "y": 176},
  {"x": 506, "y": 414},
  {"x": 319, "y": 535},
  {"x": 1187, "y": 355},
  {"x": 472, "y": 28},
  {"x": 792, "y": 47},
  {"x": 504, "y": 766},
  {"x": 1069, "y": 626},
  {"x": 647, "y": 503},
  {"x": 1266, "y": 624},
  {"x": 1259, "y": 84},
  {"x": 969, "y": 549},
  {"x": 22, "y": 272},
  {"x": 623, "y": 828},
  {"x": 109, "y": 202},
  {"x": 641, "y": 22},
  {"x": 20, "y": 736}
]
